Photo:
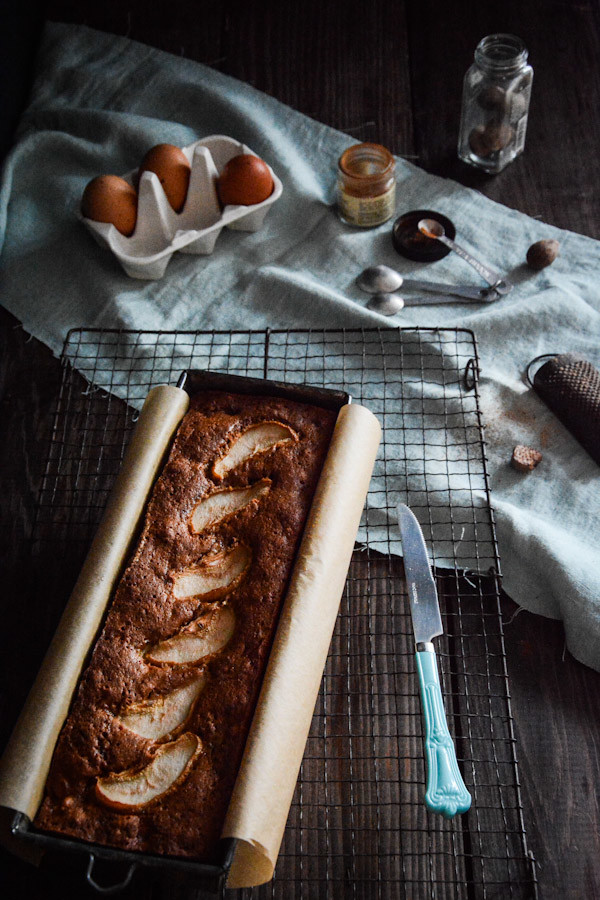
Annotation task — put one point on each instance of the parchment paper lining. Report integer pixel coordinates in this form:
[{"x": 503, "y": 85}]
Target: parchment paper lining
[
  {"x": 265, "y": 784},
  {"x": 26, "y": 760},
  {"x": 266, "y": 781}
]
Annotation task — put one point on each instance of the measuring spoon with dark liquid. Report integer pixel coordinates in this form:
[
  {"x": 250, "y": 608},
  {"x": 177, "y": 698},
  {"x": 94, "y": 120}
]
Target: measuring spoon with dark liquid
[{"x": 432, "y": 229}]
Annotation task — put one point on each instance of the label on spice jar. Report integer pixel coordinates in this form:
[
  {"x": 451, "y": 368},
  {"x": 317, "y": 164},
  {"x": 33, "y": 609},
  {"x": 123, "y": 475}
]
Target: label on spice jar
[{"x": 367, "y": 211}]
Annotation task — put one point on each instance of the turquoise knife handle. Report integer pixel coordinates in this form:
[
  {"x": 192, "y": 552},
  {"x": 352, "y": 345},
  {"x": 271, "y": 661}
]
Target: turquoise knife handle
[{"x": 446, "y": 791}]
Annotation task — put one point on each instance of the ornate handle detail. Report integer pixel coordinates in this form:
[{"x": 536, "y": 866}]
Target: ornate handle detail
[{"x": 446, "y": 791}]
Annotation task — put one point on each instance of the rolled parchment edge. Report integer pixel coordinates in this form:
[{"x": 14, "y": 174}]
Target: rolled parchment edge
[
  {"x": 265, "y": 784},
  {"x": 26, "y": 760}
]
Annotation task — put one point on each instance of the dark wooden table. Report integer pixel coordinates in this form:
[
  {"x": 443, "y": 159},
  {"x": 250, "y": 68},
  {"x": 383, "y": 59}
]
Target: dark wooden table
[{"x": 389, "y": 72}]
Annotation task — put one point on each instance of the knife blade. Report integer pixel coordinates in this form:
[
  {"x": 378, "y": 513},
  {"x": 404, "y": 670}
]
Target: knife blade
[{"x": 446, "y": 792}]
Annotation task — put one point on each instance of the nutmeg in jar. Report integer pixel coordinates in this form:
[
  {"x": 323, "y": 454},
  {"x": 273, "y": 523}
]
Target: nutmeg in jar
[{"x": 366, "y": 186}]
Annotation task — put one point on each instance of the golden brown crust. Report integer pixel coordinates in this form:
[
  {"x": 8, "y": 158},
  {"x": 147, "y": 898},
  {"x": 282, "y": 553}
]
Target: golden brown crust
[{"x": 187, "y": 821}]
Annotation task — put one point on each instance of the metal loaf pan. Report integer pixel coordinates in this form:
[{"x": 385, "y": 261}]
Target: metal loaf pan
[
  {"x": 193, "y": 381},
  {"x": 207, "y": 877}
]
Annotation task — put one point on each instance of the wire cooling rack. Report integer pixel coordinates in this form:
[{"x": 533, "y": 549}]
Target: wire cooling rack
[{"x": 358, "y": 826}]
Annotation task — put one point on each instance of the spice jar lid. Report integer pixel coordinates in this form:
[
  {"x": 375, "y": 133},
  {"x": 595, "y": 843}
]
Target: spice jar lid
[
  {"x": 366, "y": 169},
  {"x": 409, "y": 242}
]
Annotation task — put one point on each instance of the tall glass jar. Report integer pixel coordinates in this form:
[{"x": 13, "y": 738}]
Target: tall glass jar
[{"x": 495, "y": 103}]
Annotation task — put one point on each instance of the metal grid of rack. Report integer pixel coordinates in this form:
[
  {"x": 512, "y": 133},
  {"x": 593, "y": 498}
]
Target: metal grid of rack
[{"x": 358, "y": 826}]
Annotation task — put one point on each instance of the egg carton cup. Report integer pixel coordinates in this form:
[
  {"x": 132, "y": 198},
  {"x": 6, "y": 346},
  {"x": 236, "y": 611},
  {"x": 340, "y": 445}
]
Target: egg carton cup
[{"x": 160, "y": 231}]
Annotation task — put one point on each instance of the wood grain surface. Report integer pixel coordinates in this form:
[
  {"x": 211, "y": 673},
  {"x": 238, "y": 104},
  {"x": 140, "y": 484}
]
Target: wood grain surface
[{"x": 391, "y": 72}]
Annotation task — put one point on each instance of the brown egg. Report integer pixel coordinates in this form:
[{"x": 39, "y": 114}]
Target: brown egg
[
  {"x": 171, "y": 166},
  {"x": 108, "y": 198},
  {"x": 244, "y": 181}
]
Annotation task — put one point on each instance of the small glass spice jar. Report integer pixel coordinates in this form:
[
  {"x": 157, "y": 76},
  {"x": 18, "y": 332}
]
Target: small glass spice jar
[
  {"x": 495, "y": 103},
  {"x": 366, "y": 186}
]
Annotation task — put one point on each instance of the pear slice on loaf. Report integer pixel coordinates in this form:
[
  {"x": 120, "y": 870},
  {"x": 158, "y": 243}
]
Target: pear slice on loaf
[
  {"x": 160, "y": 717},
  {"x": 204, "y": 636},
  {"x": 134, "y": 789},
  {"x": 217, "y": 574},
  {"x": 256, "y": 439},
  {"x": 222, "y": 504}
]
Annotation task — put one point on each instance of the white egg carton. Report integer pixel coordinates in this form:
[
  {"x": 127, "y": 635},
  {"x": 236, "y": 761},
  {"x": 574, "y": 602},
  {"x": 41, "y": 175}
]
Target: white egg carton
[{"x": 160, "y": 231}]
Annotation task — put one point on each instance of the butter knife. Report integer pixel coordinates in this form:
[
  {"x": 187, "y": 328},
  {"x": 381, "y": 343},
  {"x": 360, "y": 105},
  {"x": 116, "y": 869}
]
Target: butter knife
[{"x": 446, "y": 792}]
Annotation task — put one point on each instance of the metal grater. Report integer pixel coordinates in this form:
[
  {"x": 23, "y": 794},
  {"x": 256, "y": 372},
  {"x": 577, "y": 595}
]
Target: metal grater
[{"x": 570, "y": 386}]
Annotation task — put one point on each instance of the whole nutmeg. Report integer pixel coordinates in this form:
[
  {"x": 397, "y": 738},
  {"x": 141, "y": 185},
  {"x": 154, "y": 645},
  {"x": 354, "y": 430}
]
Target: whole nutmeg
[
  {"x": 497, "y": 136},
  {"x": 477, "y": 141},
  {"x": 491, "y": 98},
  {"x": 487, "y": 139},
  {"x": 542, "y": 254}
]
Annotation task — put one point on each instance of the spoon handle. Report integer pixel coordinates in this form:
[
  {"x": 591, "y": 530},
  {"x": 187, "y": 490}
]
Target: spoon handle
[
  {"x": 482, "y": 295},
  {"x": 492, "y": 277}
]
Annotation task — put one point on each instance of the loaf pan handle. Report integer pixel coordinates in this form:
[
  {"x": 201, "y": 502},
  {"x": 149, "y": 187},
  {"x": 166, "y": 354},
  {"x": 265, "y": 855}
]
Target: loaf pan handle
[{"x": 112, "y": 888}]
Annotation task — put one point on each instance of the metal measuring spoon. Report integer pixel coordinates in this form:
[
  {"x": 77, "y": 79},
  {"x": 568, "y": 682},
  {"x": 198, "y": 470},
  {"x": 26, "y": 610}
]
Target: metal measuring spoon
[
  {"x": 379, "y": 280},
  {"x": 386, "y": 304},
  {"x": 385, "y": 280},
  {"x": 432, "y": 229}
]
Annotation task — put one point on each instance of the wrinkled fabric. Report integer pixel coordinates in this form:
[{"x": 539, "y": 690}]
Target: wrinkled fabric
[{"x": 98, "y": 103}]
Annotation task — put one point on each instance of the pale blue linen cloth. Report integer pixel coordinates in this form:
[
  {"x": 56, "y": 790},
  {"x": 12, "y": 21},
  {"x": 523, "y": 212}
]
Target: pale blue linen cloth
[{"x": 100, "y": 101}]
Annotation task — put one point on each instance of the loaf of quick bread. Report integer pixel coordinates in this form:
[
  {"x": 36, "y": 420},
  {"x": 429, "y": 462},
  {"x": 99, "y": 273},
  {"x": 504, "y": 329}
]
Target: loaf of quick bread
[{"x": 149, "y": 753}]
